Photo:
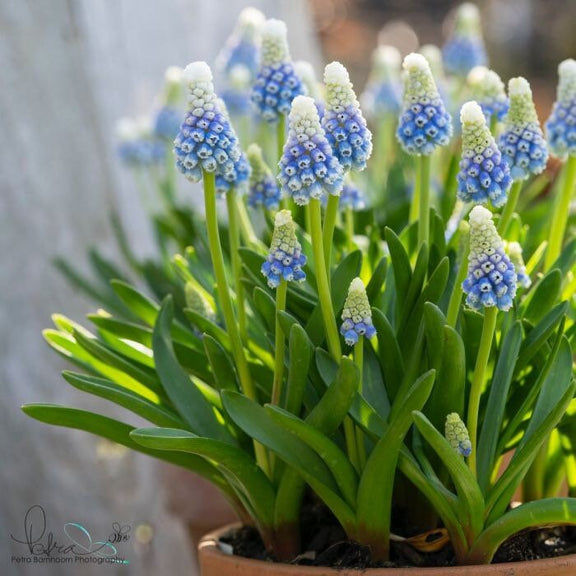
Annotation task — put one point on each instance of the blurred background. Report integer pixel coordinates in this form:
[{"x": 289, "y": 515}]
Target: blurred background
[{"x": 70, "y": 70}]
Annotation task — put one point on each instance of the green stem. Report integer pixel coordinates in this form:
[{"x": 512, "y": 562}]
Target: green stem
[
  {"x": 328, "y": 232},
  {"x": 494, "y": 124},
  {"x": 226, "y": 302},
  {"x": 281, "y": 292},
  {"x": 456, "y": 296},
  {"x": 488, "y": 329},
  {"x": 350, "y": 228},
  {"x": 359, "y": 361},
  {"x": 234, "y": 239},
  {"x": 561, "y": 214},
  {"x": 384, "y": 153},
  {"x": 533, "y": 484},
  {"x": 246, "y": 228},
  {"x": 423, "y": 176},
  {"x": 322, "y": 280},
  {"x": 509, "y": 208},
  {"x": 415, "y": 205}
]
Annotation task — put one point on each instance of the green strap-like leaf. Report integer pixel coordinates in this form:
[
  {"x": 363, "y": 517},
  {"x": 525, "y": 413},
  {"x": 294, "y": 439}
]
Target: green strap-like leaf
[
  {"x": 301, "y": 351},
  {"x": 543, "y": 296},
  {"x": 222, "y": 364}
]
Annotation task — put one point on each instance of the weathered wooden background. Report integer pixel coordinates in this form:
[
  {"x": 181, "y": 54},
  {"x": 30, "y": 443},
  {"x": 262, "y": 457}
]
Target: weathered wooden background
[{"x": 68, "y": 70}]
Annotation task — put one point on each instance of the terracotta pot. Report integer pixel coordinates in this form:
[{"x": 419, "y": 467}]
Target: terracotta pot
[{"x": 213, "y": 562}]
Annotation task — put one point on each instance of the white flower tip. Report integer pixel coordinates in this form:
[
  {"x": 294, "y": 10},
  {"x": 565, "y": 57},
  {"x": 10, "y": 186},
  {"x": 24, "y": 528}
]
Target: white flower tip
[
  {"x": 519, "y": 87},
  {"x": 477, "y": 75},
  {"x": 173, "y": 75},
  {"x": 431, "y": 52},
  {"x": 471, "y": 112},
  {"x": 567, "y": 68},
  {"x": 251, "y": 17},
  {"x": 274, "y": 29},
  {"x": 304, "y": 105},
  {"x": 240, "y": 75},
  {"x": 468, "y": 12},
  {"x": 415, "y": 62},
  {"x": 283, "y": 217},
  {"x": 305, "y": 70},
  {"x": 480, "y": 215},
  {"x": 388, "y": 56},
  {"x": 126, "y": 129},
  {"x": 514, "y": 249},
  {"x": 197, "y": 72},
  {"x": 253, "y": 149},
  {"x": 336, "y": 73},
  {"x": 356, "y": 285}
]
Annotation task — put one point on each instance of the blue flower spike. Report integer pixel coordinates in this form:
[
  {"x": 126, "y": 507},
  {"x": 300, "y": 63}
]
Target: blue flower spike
[
  {"x": 514, "y": 251},
  {"x": 356, "y": 314},
  {"x": 457, "y": 434},
  {"x": 285, "y": 259},
  {"x": 206, "y": 140},
  {"x": 483, "y": 174},
  {"x": 491, "y": 279},
  {"x": 168, "y": 118},
  {"x": 383, "y": 93},
  {"x": 277, "y": 83},
  {"x": 137, "y": 144},
  {"x": 424, "y": 123},
  {"x": 343, "y": 122},
  {"x": 264, "y": 190},
  {"x": 308, "y": 167},
  {"x": 561, "y": 126},
  {"x": 489, "y": 91},
  {"x": 465, "y": 48},
  {"x": 351, "y": 197},
  {"x": 521, "y": 141},
  {"x": 243, "y": 46}
]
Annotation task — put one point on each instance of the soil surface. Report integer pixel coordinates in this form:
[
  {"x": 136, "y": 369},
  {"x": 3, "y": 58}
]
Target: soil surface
[{"x": 325, "y": 544}]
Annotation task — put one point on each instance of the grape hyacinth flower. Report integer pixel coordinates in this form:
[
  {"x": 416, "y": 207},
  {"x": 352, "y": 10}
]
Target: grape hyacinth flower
[
  {"x": 488, "y": 90},
  {"x": 465, "y": 49},
  {"x": 343, "y": 122},
  {"x": 138, "y": 146},
  {"x": 433, "y": 55},
  {"x": 277, "y": 84},
  {"x": 457, "y": 434},
  {"x": 356, "y": 314},
  {"x": 206, "y": 140},
  {"x": 236, "y": 95},
  {"x": 515, "y": 254},
  {"x": 491, "y": 280},
  {"x": 351, "y": 197},
  {"x": 561, "y": 126},
  {"x": 285, "y": 259},
  {"x": 264, "y": 190},
  {"x": 308, "y": 167},
  {"x": 522, "y": 142},
  {"x": 238, "y": 178},
  {"x": 243, "y": 45},
  {"x": 383, "y": 93},
  {"x": 483, "y": 174},
  {"x": 424, "y": 123}
]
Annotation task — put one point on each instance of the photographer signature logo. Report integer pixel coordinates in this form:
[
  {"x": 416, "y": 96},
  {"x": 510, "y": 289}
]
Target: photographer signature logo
[{"x": 77, "y": 547}]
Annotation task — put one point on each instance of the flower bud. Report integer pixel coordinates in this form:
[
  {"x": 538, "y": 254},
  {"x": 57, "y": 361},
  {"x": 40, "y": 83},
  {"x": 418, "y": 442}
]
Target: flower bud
[
  {"x": 457, "y": 434},
  {"x": 356, "y": 314},
  {"x": 488, "y": 90},
  {"x": 264, "y": 190}
]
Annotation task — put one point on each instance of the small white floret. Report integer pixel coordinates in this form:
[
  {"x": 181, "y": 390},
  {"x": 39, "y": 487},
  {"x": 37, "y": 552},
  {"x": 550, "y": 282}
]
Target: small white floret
[
  {"x": 356, "y": 285},
  {"x": 335, "y": 73},
  {"x": 567, "y": 68},
  {"x": 414, "y": 62},
  {"x": 283, "y": 217},
  {"x": 304, "y": 106},
  {"x": 274, "y": 29},
  {"x": 387, "y": 56},
  {"x": 251, "y": 17},
  {"x": 518, "y": 87},
  {"x": 480, "y": 215},
  {"x": 197, "y": 72},
  {"x": 471, "y": 112}
]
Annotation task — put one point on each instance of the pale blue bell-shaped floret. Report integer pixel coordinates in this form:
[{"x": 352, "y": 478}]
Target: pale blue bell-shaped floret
[
  {"x": 514, "y": 251},
  {"x": 308, "y": 167},
  {"x": 264, "y": 190},
  {"x": 138, "y": 145},
  {"x": 285, "y": 259},
  {"x": 561, "y": 126},
  {"x": 483, "y": 174},
  {"x": 343, "y": 122},
  {"x": 489, "y": 91},
  {"x": 491, "y": 279},
  {"x": 457, "y": 434},
  {"x": 465, "y": 49},
  {"x": 424, "y": 123},
  {"x": 522, "y": 142},
  {"x": 356, "y": 314},
  {"x": 352, "y": 197},
  {"x": 277, "y": 83},
  {"x": 383, "y": 93},
  {"x": 206, "y": 140}
]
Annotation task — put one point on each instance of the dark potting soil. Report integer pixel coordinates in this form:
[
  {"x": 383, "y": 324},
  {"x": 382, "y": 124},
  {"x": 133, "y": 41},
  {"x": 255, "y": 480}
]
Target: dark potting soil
[{"x": 325, "y": 544}]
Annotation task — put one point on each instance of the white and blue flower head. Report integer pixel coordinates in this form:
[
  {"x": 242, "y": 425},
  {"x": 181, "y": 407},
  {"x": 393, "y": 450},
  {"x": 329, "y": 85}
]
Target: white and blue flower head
[
  {"x": 138, "y": 145},
  {"x": 264, "y": 190},
  {"x": 356, "y": 314},
  {"x": 514, "y": 251},
  {"x": 169, "y": 116},
  {"x": 238, "y": 178},
  {"x": 483, "y": 174},
  {"x": 488, "y": 90},
  {"x": 465, "y": 49},
  {"x": 457, "y": 434},
  {"x": 383, "y": 93},
  {"x": 424, "y": 123},
  {"x": 206, "y": 140},
  {"x": 308, "y": 167},
  {"x": 351, "y": 197},
  {"x": 343, "y": 122},
  {"x": 243, "y": 45},
  {"x": 277, "y": 84},
  {"x": 285, "y": 259},
  {"x": 522, "y": 142},
  {"x": 491, "y": 279},
  {"x": 561, "y": 126}
]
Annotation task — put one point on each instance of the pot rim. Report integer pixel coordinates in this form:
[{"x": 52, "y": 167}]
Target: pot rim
[{"x": 209, "y": 552}]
